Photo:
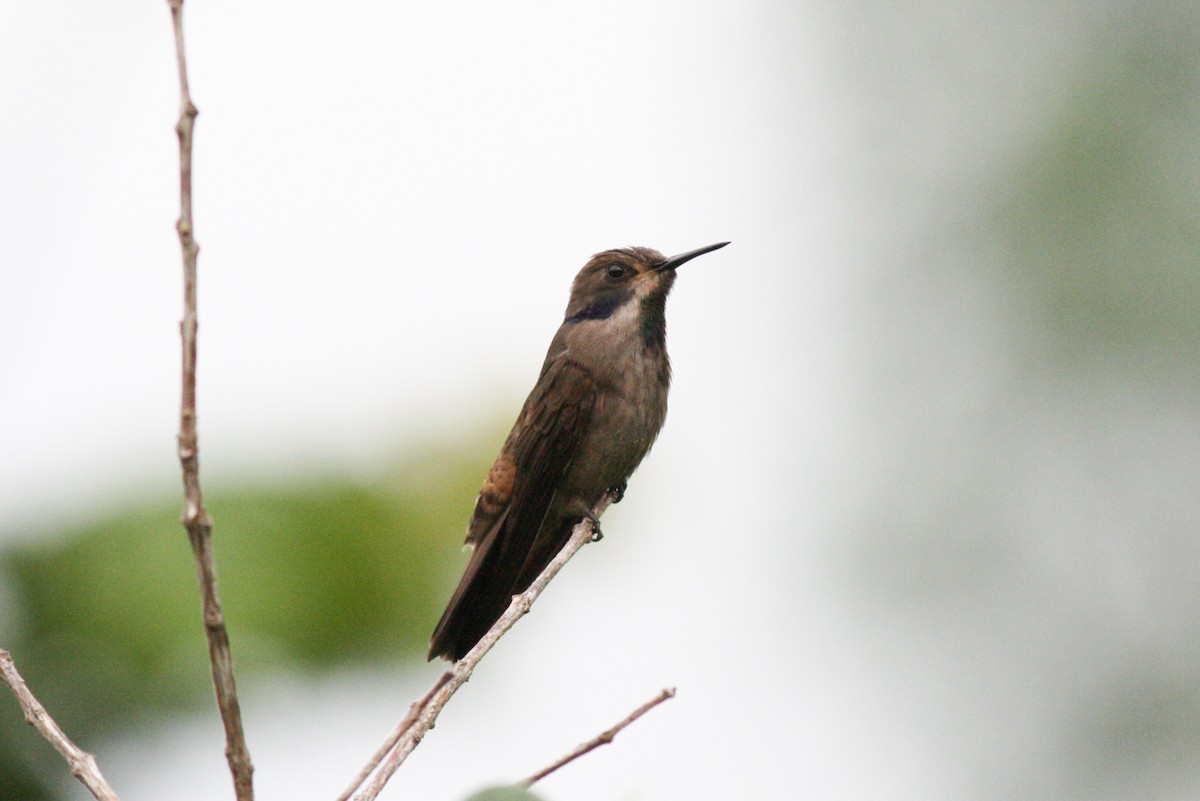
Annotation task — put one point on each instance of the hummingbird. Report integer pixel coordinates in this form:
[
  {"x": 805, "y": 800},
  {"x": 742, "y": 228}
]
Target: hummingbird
[{"x": 598, "y": 405}]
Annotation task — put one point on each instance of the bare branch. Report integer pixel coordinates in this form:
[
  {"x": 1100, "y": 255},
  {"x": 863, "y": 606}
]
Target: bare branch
[
  {"x": 195, "y": 517},
  {"x": 83, "y": 765},
  {"x": 458, "y": 675},
  {"x": 604, "y": 738}
]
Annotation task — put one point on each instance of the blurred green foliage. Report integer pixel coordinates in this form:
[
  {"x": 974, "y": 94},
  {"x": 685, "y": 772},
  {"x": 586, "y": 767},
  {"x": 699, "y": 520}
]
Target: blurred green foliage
[
  {"x": 312, "y": 576},
  {"x": 1033, "y": 528},
  {"x": 1104, "y": 226},
  {"x": 504, "y": 794}
]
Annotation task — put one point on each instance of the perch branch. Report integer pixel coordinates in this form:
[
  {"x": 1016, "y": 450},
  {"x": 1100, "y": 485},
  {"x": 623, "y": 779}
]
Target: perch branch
[
  {"x": 83, "y": 765},
  {"x": 604, "y": 738},
  {"x": 410, "y": 736},
  {"x": 195, "y": 517}
]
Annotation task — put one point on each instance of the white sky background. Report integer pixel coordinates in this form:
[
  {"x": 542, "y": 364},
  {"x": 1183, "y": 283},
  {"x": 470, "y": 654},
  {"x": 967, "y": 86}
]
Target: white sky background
[
  {"x": 379, "y": 192},
  {"x": 391, "y": 201}
]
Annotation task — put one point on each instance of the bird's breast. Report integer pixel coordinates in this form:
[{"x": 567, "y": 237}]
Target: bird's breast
[{"x": 628, "y": 412}]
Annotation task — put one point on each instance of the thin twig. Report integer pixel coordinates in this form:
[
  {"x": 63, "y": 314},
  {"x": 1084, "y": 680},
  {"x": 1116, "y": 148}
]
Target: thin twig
[
  {"x": 83, "y": 765},
  {"x": 460, "y": 673},
  {"x": 604, "y": 738},
  {"x": 195, "y": 518}
]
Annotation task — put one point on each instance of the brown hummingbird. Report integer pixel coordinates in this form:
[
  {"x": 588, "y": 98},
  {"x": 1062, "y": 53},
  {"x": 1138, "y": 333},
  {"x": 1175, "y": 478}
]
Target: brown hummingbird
[{"x": 596, "y": 409}]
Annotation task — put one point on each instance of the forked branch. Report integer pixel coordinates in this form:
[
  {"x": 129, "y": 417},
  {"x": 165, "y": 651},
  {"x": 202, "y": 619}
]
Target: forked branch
[{"x": 408, "y": 735}]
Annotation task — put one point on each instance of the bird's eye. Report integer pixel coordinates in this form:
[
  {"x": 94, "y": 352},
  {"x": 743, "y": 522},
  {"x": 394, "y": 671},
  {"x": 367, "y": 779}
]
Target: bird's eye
[{"x": 616, "y": 272}]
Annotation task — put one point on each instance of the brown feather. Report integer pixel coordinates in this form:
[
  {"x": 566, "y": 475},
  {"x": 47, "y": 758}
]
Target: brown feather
[{"x": 513, "y": 505}]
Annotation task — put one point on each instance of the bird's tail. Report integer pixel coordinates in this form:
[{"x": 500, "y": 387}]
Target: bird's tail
[{"x": 493, "y": 576}]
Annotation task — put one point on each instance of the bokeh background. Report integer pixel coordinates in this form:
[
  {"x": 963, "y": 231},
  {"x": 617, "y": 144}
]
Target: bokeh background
[{"x": 923, "y": 521}]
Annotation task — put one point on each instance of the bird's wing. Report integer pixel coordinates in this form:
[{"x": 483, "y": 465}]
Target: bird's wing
[{"x": 513, "y": 503}]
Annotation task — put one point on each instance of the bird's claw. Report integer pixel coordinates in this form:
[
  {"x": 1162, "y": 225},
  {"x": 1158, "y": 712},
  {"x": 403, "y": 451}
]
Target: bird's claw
[
  {"x": 597, "y": 534},
  {"x": 618, "y": 492}
]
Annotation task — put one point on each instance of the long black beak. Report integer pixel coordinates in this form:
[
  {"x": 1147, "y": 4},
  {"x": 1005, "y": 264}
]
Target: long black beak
[{"x": 675, "y": 261}]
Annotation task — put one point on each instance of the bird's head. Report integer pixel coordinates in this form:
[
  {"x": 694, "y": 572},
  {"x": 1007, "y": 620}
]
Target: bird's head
[{"x": 614, "y": 278}]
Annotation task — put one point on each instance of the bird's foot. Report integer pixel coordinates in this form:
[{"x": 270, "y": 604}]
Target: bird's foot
[
  {"x": 618, "y": 492},
  {"x": 581, "y": 508},
  {"x": 597, "y": 534}
]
